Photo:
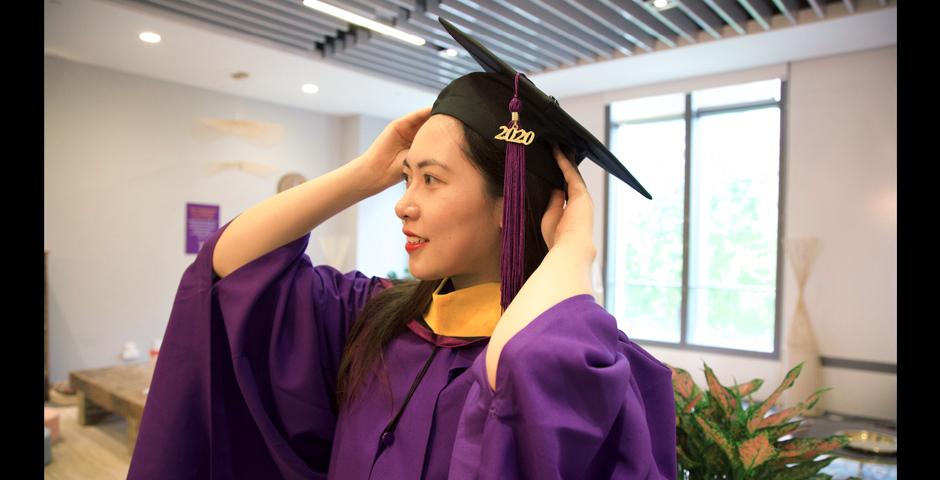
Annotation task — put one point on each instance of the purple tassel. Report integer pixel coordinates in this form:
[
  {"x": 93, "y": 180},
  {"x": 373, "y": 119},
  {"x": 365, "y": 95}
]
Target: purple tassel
[{"x": 512, "y": 259}]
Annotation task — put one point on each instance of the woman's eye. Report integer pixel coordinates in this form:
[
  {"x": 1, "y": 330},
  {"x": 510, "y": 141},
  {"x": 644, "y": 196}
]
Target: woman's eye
[{"x": 427, "y": 178}]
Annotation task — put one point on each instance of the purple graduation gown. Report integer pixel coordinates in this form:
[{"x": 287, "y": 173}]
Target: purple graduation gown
[{"x": 244, "y": 384}]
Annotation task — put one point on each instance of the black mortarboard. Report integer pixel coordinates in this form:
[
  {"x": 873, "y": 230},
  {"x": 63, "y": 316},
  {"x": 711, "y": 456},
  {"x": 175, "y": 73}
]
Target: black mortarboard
[
  {"x": 506, "y": 108},
  {"x": 541, "y": 115}
]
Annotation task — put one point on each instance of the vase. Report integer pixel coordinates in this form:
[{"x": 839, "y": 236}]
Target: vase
[{"x": 800, "y": 342}]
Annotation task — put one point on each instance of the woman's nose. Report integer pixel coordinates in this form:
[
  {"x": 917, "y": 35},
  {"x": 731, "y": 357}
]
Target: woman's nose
[{"x": 406, "y": 208}]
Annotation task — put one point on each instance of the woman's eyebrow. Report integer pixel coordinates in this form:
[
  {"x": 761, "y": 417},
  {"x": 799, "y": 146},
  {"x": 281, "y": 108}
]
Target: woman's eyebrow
[{"x": 424, "y": 163}]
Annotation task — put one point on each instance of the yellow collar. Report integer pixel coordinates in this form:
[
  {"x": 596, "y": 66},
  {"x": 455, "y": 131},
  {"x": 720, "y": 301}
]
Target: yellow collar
[{"x": 468, "y": 312}]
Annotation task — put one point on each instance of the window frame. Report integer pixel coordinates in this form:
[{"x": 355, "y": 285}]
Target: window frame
[{"x": 690, "y": 119}]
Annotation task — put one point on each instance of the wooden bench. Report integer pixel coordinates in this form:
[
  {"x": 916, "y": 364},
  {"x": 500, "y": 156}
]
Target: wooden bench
[{"x": 113, "y": 390}]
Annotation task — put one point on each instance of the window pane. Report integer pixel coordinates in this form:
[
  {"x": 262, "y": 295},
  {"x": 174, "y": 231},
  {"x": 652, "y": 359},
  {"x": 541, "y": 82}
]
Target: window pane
[
  {"x": 765, "y": 90},
  {"x": 644, "y": 245},
  {"x": 647, "y": 107},
  {"x": 733, "y": 230}
]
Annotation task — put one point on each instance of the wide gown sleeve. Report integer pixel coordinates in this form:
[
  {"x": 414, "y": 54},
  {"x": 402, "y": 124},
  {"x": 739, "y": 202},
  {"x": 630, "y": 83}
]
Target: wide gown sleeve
[
  {"x": 574, "y": 399},
  {"x": 244, "y": 384}
]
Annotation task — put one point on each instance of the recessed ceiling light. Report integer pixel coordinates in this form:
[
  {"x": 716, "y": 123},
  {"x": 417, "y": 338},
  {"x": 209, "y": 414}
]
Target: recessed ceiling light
[
  {"x": 310, "y": 88},
  {"x": 661, "y": 4},
  {"x": 149, "y": 37},
  {"x": 448, "y": 53}
]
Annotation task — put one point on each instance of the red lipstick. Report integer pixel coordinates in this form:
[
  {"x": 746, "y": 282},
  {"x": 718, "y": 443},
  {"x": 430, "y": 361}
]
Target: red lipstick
[{"x": 410, "y": 247}]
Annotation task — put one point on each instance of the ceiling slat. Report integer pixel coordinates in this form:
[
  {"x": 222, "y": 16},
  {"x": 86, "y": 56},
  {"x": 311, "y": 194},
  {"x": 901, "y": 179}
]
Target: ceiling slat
[
  {"x": 759, "y": 11},
  {"x": 559, "y": 28},
  {"x": 245, "y": 10},
  {"x": 788, "y": 8},
  {"x": 307, "y": 14},
  {"x": 363, "y": 9},
  {"x": 416, "y": 23},
  {"x": 229, "y": 22},
  {"x": 549, "y": 36},
  {"x": 382, "y": 9},
  {"x": 613, "y": 20},
  {"x": 483, "y": 30},
  {"x": 254, "y": 20},
  {"x": 705, "y": 18},
  {"x": 393, "y": 64},
  {"x": 393, "y": 48},
  {"x": 441, "y": 66},
  {"x": 519, "y": 60},
  {"x": 642, "y": 18},
  {"x": 281, "y": 17},
  {"x": 731, "y": 13},
  {"x": 410, "y": 5},
  {"x": 435, "y": 65},
  {"x": 675, "y": 20},
  {"x": 819, "y": 9},
  {"x": 584, "y": 23},
  {"x": 413, "y": 67},
  {"x": 370, "y": 69},
  {"x": 435, "y": 37},
  {"x": 540, "y": 45}
]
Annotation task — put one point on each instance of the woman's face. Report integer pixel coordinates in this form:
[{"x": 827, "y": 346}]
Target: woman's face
[{"x": 446, "y": 204}]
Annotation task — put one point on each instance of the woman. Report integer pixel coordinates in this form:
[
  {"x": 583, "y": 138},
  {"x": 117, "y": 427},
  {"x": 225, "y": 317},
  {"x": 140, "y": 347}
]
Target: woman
[{"x": 314, "y": 373}]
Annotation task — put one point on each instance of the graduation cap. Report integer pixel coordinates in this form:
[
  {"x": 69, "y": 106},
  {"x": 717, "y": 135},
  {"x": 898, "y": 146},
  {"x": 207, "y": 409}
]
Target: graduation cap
[{"x": 506, "y": 108}]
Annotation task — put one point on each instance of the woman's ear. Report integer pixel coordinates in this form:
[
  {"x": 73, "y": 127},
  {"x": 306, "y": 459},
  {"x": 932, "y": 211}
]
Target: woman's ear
[{"x": 498, "y": 212}]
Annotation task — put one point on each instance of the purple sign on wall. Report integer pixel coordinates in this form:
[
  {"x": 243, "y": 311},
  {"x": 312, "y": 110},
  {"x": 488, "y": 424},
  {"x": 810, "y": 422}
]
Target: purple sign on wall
[{"x": 201, "y": 221}]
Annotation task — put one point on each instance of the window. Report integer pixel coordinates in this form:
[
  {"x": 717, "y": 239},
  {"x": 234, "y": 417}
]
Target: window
[{"x": 697, "y": 266}]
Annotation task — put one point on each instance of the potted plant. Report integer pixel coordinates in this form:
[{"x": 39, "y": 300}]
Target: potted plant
[{"x": 719, "y": 435}]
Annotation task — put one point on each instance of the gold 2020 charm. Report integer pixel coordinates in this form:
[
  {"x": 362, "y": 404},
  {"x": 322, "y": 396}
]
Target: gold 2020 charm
[{"x": 515, "y": 135}]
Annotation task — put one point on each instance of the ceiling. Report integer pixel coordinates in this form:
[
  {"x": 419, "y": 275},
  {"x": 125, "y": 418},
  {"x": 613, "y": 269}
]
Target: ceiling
[{"x": 566, "y": 47}]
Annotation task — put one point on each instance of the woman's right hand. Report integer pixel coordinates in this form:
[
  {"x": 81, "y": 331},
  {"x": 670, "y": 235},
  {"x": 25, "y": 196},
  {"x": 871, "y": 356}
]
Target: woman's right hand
[{"x": 381, "y": 164}]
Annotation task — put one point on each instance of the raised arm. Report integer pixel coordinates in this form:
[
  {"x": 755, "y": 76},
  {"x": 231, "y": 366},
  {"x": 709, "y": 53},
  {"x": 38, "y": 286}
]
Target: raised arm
[
  {"x": 564, "y": 272},
  {"x": 287, "y": 216},
  {"x": 293, "y": 213}
]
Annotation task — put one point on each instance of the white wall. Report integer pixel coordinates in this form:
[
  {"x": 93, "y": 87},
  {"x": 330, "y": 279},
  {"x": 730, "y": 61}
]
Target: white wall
[
  {"x": 840, "y": 186},
  {"x": 121, "y": 161},
  {"x": 380, "y": 245}
]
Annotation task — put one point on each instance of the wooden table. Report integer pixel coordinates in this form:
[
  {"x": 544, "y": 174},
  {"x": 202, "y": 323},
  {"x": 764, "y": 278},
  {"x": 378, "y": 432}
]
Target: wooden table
[{"x": 113, "y": 390}]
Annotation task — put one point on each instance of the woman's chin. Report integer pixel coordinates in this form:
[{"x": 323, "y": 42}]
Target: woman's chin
[
  {"x": 416, "y": 272},
  {"x": 420, "y": 273}
]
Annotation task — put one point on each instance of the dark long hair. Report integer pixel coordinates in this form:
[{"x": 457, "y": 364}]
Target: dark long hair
[{"x": 386, "y": 315}]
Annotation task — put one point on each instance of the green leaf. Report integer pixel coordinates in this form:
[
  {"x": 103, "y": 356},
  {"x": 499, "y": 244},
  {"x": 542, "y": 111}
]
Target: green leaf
[
  {"x": 686, "y": 461},
  {"x": 691, "y": 405},
  {"x": 788, "y": 382},
  {"x": 778, "y": 418},
  {"x": 777, "y": 431},
  {"x": 810, "y": 401},
  {"x": 803, "y": 449},
  {"x": 754, "y": 452},
  {"x": 682, "y": 383},
  {"x": 720, "y": 393},
  {"x": 718, "y": 437},
  {"x": 749, "y": 387}
]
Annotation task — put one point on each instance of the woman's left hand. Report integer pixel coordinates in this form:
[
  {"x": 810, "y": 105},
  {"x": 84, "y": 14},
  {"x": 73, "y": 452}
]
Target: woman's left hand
[{"x": 572, "y": 224}]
